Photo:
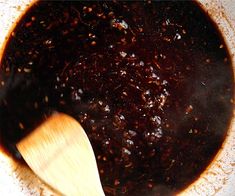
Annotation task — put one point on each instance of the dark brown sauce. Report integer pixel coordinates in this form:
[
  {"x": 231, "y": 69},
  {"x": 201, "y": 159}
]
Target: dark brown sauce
[{"x": 151, "y": 83}]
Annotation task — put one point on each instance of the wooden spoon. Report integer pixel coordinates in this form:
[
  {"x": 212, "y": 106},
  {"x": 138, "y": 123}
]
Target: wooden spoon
[{"x": 60, "y": 153}]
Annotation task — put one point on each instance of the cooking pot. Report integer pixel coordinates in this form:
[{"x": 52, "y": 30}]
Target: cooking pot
[{"x": 217, "y": 179}]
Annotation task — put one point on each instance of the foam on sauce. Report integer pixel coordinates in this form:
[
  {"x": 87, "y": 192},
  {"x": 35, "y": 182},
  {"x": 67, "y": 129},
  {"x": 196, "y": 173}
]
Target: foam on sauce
[{"x": 150, "y": 82}]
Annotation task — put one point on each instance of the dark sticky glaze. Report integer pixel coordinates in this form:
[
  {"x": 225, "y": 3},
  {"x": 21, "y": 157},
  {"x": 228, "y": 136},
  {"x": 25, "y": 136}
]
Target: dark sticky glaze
[{"x": 151, "y": 83}]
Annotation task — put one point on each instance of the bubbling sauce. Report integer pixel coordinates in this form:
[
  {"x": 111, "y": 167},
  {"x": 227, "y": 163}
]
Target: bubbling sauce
[{"x": 150, "y": 82}]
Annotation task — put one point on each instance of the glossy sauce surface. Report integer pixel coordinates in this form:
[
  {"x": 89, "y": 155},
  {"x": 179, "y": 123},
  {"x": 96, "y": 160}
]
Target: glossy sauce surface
[{"x": 151, "y": 84}]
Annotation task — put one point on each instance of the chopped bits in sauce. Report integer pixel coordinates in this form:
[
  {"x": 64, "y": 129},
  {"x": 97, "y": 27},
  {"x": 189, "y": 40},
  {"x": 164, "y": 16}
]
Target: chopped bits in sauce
[{"x": 151, "y": 86}]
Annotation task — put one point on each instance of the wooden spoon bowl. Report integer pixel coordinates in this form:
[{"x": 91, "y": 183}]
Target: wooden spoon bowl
[{"x": 60, "y": 153}]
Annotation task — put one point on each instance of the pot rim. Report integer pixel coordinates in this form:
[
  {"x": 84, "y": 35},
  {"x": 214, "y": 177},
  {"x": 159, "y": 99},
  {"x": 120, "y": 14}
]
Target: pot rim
[{"x": 219, "y": 176}]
